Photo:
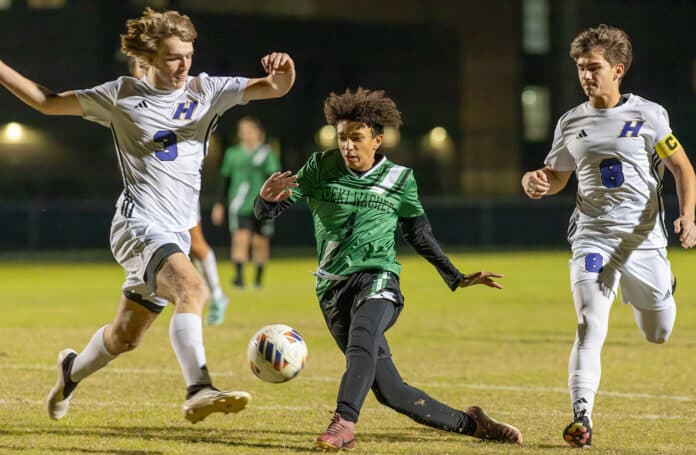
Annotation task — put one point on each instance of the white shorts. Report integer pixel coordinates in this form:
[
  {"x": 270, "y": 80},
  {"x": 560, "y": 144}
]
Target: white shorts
[
  {"x": 645, "y": 276},
  {"x": 141, "y": 247}
]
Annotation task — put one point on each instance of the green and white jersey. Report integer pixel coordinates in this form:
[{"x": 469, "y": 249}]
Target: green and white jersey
[
  {"x": 355, "y": 216},
  {"x": 247, "y": 172},
  {"x": 617, "y": 158}
]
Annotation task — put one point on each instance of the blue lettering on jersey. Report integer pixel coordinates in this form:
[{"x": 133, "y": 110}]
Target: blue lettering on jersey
[
  {"x": 631, "y": 128},
  {"x": 186, "y": 108}
]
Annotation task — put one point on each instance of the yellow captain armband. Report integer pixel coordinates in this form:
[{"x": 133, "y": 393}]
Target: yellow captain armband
[{"x": 667, "y": 146}]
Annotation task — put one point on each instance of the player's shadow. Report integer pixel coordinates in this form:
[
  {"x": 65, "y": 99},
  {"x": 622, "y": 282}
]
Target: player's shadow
[{"x": 222, "y": 437}]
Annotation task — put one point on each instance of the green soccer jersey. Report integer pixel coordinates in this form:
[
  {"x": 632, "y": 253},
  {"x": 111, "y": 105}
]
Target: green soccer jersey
[
  {"x": 247, "y": 172},
  {"x": 355, "y": 216}
]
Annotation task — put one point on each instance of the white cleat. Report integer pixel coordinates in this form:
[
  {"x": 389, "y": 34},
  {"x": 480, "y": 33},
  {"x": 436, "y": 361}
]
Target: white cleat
[
  {"x": 60, "y": 396},
  {"x": 207, "y": 401}
]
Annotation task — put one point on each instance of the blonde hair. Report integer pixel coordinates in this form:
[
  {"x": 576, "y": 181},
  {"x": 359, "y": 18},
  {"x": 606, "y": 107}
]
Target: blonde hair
[
  {"x": 613, "y": 42},
  {"x": 144, "y": 34}
]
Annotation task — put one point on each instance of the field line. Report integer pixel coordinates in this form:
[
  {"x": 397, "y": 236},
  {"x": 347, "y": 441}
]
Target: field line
[{"x": 509, "y": 388}]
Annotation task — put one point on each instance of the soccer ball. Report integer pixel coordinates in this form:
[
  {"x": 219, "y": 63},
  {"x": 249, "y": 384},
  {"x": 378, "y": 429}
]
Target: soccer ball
[{"x": 277, "y": 353}]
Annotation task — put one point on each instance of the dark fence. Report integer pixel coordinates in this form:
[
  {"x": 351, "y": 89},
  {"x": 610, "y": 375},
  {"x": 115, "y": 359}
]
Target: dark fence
[{"x": 70, "y": 225}]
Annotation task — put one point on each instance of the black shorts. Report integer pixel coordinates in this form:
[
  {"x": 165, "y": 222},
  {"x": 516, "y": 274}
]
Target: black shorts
[
  {"x": 249, "y": 222},
  {"x": 341, "y": 300}
]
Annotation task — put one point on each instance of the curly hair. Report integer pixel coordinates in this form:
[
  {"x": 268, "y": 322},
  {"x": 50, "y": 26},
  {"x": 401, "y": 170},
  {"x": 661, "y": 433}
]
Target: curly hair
[
  {"x": 144, "y": 34},
  {"x": 370, "y": 107},
  {"x": 613, "y": 42}
]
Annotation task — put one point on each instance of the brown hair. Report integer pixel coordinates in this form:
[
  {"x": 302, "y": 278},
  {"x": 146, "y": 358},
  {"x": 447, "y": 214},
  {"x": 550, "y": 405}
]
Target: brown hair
[
  {"x": 613, "y": 42},
  {"x": 143, "y": 35},
  {"x": 370, "y": 107}
]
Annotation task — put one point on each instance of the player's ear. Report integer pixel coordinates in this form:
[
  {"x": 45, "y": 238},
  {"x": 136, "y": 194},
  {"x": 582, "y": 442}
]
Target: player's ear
[
  {"x": 619, "y": 71},
  {"x": 378, "y": 140}
]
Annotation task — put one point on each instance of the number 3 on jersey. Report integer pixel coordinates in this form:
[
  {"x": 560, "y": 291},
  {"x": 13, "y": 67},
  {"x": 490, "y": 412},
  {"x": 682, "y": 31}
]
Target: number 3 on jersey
[
  {"x": 169, "y": 152},
  {"x": 611, "y": 172}
]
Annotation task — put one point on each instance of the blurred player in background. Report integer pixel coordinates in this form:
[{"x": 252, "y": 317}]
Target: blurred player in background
[
  {"x": 201, "y": 253},
  {"x": 244, "y": 168},
  {"x": 357, "y": 198},
  {"x": 161, "y": 126},
  {"x": 618, "y": 146}
]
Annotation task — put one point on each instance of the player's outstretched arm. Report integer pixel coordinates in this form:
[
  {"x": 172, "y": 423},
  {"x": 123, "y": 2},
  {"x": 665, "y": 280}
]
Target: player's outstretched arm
[
  {"x": 281, "y": 77},
  {"x": 685, "y": 180},
  {"x": 485, "y": 278},
  {"x": 274, "y": 196},
  {"x": 544, "y": 182},
  {"x": 39, "y": 97}
]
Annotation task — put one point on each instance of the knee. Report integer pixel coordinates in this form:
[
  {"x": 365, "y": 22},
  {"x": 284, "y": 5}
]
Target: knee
[
  {"x": 118, "y": 341},
  {"x": 361, "y": 340},
  {"x": 658, "y": 337},
  {"x": 194, "y": 292}
]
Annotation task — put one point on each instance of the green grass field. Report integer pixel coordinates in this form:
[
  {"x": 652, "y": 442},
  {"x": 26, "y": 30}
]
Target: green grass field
[{"x": 504, "y": 350}]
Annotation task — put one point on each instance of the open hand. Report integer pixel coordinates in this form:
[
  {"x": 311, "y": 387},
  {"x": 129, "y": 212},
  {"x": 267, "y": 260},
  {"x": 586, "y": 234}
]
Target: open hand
[
  {"x": 278, "y": 187},
  {"x": 485, "y": 278}
]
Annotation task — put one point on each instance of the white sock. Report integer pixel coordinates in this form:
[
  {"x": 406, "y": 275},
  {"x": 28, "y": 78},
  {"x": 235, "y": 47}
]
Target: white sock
[
  {"x": 94, "y": 357},
  {"x": 186, "y": 335},
  {"x": 209, "y": 270}
]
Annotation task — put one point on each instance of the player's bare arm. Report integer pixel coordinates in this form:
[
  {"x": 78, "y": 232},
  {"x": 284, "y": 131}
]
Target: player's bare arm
[
  {"x": 40, "y": 98},
  {"x": 685, "y": 181},
  {"x": 544, "y": 182},
  {"x": 281, "y": 77},
  {"x": 278, "y": 187},
  {"x": 485, "y": 278}
]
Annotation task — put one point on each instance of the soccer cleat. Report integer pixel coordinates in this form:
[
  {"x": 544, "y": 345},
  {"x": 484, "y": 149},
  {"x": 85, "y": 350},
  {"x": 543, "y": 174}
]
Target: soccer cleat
[
  {"x": 216, "y": 312},
  {"x": 60, "y": 396},
  {"x": 339, "y": 435},
  {"x": 578, "y": 433},
  {"x": 492, "y": 430},
  {"x": 209, "y": 400},
  {"x": 238, "y": 282}
]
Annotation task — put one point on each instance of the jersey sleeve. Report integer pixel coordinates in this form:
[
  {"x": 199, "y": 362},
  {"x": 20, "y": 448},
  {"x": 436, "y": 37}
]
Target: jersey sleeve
[
  {"x": 99, "y": 102},
  {"x": 271, "y": 164},
  {"x": 224, "y": 92},
  {"x": 225, "y": 167},
  {"x": 664, "y": 141},
  {"x": 307, "y": 178},
  {"x": 559, "y": 158},
  {"x": 410, "y": 203}
]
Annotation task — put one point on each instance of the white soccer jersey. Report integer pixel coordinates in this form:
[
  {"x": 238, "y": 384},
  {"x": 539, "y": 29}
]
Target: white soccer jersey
[
  {"x": 616, "y": 155},
  {"x": 161, "y": 138}
]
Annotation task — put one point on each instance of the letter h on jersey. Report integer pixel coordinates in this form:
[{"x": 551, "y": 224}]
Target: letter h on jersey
[
  {"x": 631, "y": 128},
  {"x": 186, "y": 109}
]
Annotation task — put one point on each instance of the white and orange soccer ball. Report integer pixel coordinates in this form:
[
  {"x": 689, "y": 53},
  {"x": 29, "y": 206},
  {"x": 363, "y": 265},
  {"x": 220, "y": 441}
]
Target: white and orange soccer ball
[{"x": 277, "y": 353}]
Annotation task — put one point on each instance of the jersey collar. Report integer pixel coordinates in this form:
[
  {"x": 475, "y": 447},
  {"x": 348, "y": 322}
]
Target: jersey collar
[{"x": 374, "y": 167}]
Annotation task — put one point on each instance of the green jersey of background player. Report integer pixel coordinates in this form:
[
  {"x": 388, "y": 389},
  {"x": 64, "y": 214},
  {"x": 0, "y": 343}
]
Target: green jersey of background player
[{"x": 357, "y": 198}]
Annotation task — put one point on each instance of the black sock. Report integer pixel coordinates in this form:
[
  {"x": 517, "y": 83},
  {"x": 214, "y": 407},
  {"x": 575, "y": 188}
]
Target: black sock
[
  {"x": 204, "y": 383},
  {"x": 468, "y": 425},
  {"x": 259, "y": 274},
  {"x": 238, "y": 267}
]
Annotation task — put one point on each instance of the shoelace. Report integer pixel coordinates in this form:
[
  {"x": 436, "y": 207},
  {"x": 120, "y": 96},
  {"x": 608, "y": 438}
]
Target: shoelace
[{"x": 335, "y": 427}]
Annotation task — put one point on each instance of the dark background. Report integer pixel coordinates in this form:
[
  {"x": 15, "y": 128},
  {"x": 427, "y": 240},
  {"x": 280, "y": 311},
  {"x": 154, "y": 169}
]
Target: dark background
[{"x": 460, "y": 65}]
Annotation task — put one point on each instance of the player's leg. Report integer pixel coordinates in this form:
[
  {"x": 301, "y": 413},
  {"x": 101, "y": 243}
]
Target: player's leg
[
  {"x": 261, "y": 249},
  {"x": 123, "y": 334},
  {"x": 647, "y": 285},
  {"x": 241, "y": 240},
  {"x": 594, "y": 288},
  {"x": 390, "y": 390},
  {"x": 356, "y": 336},
  {"x": 203, "y": 257},
  {"x": 178, "y": 282}
]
